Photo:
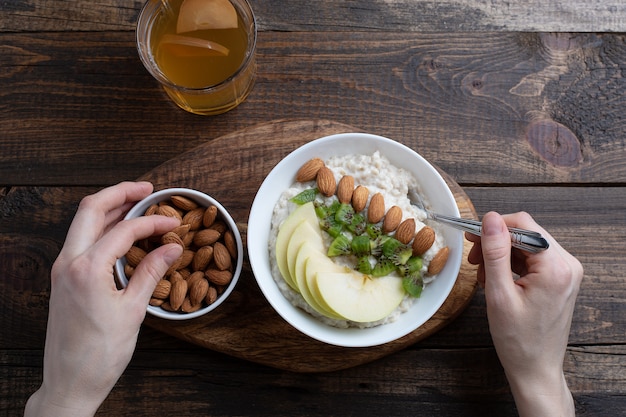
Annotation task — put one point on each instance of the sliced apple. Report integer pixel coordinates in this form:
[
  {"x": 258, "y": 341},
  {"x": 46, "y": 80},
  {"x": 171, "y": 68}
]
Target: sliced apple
[
  {"x": 206, "y": 14},
  {"x": 359, "y": 297},
  {"x": 319, "y": 262},
  {"x": 307, "y": 252},
  {"x": 305, "y": 212},
  {"x": 303, "y": 233},
  {"x": 187, "y": 46}
]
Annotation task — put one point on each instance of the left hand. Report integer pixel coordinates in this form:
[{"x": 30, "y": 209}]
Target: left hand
[{"x": 93, "y": 326}]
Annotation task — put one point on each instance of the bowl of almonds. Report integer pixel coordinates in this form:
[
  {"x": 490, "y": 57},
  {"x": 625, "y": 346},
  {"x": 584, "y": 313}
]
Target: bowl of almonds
[
  {"x": 339, "y": 248},
  {"x": 209, "y": 268}
]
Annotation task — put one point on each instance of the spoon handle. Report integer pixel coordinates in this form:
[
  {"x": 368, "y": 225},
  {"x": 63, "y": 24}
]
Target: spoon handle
[{"x": 526, "y": 240}]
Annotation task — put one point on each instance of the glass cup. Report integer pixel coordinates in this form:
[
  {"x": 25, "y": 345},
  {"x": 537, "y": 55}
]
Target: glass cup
[{"x": 205, "y": 64}]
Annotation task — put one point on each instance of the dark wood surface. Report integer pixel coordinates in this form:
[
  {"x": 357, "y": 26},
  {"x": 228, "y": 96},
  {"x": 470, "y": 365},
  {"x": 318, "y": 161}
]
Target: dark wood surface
[{"x": 522, "y": 106}]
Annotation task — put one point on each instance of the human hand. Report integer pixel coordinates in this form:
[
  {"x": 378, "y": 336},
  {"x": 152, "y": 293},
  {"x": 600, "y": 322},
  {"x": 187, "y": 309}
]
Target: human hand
[
  {"x": 92, "y": 326},
  {"x": 529, "y": 317}
]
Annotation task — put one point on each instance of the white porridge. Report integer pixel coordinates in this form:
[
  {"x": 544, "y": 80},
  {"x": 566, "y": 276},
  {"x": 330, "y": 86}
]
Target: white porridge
[{"x": 377, "y": 174}]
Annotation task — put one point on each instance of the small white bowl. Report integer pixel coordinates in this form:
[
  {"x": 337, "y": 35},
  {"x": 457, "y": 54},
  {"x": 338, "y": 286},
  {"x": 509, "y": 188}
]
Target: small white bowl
[
  {"x": 433, "y": 187},
  {"x": 203, "y": 200}
]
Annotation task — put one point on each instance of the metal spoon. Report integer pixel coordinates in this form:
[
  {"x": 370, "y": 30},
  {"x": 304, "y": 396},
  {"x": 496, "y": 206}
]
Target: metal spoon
[{"x": 526, "y": 240}]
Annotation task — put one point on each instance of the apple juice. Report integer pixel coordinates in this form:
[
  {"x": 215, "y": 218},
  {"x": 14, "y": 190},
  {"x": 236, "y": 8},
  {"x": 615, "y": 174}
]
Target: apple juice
[
  {"x": 202, "y": 51},
  {"x": 195, "y": 67}
]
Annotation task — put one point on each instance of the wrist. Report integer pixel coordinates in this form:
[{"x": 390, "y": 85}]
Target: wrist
[
  {"x": 542, "y": 397},
  {"x": 43, "y": 403}
]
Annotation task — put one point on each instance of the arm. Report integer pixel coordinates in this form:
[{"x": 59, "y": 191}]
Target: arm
[
  {"x": 93, "y": 326},
  {"x": 529, "y": 317}
]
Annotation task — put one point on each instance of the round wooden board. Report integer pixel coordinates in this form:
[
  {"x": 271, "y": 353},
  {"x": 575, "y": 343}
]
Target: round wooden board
[{"x": 231, "y": 169}]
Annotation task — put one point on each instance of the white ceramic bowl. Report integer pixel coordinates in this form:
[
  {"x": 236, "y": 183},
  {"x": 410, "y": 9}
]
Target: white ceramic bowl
[
  {"x": 433, "y": 187},
  {"x": 204, "y": 200}
]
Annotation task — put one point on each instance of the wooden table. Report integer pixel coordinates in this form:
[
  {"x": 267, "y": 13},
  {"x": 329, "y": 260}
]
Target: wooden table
[{"x": 522, "y": 105}]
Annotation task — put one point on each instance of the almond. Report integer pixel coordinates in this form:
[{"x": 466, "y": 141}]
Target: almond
[
  {"x": 376, "y": 209},
  {"x": 169, "y": 211},
  {"x": 171, "y": 237},
  {"x": 438, "y": 261},
  {"x": 211, "y": 295},
  {"x": 189, "y": 307},
  {"x": 206, "y": 237},
  {"x": 156, "y": 302},
  {"x": 202, "y": 258},
  {"x": 128, "y": 270},
  {"x": 423, "y": 240},
  {"x": 176, "y": 276},
  {"x": 168, "y": 307},
  {"x": 151, "y": 210},
  {"x": 209, "y": 216},
  {"x": 188, "y": 238},
  {"x": 186, "y": 258},
  {"x": 184, "y": 273},
  {"x": 194, "y": 218},
  {"x": 193, "y": 277},
  {"x": 219, "y": 277},
  {"x": 219, "y": 226},
  {"x": 345, "y": 188},
  {"x": 359, "y": 198},
  {"x": 326, "y": 183},
  {"x": 135, "y": 255},
  {"x": 198, "y": 291},
  {"x": 183, "y": 203},
  {"x": 392, "y": 219},
  {"x": 181, "y": 230},
  {"x": 221, "y": 256},
  {"x": 162, "y": 289},
  {"x": 230, "y": 243},
  {"x": 178, "y": 294},
  {"x": 406, "y": 231},
  {"x": 308, "y": 171}
]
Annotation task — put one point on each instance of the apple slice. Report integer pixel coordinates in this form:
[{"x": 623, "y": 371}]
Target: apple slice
[
  {"x": 358, "y": 297},
  {"x": 318, "y": 262},
  {"x": 307, "y": 252},
  {"x": 303, "y": 233},
  {"x": 206, "y": 14},
  {"x": 187, "y": 46},
  {"x": 305, "y": 212}
]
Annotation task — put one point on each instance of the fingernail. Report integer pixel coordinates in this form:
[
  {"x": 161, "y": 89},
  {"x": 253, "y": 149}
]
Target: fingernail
[{"x": 492, "y": 226}]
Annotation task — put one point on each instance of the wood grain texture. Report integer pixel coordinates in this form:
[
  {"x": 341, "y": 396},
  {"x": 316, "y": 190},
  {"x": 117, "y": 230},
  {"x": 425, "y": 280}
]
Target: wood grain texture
[
  {"x": 548, "y": 107},
  {"x": 453, "y": 372},
  {"x": 327, "y": 15},
  {"x": 246, "y": 325},
  {"x": 520, "y": 102},
  {"x": 188, "y": 381}
]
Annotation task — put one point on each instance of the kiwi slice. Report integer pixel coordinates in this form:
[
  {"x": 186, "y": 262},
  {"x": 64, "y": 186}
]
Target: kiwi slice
[
  {"x": 383, "y": 267},
  {"x": 331, "y": 226},
  {"x": 358, "y": 224},
  {"x": 341, "y": 245},
  {"x": 411, "y": 266},
  {"x": 345, "y": 214},
  {"x": 413, "y": 284},
  {"x": 305, "y": 196},
  {"x": 361, "y": 245},
  {"x": 363, "y": 265}
]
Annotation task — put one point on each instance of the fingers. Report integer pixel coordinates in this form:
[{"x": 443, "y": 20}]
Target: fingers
[
  {"x": 150, "y": 270},
  {"x": 496, "y": 251},
  {"x": 121, "y": 237},
  {"x": 97, "y": 212}
]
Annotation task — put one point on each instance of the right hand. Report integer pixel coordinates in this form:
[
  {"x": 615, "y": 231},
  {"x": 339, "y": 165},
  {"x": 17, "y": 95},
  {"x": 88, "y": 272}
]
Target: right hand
[{"x": 529, "y": 317}]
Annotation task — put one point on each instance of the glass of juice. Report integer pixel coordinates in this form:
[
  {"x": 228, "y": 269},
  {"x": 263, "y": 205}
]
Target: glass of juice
[{"x": 201, "y": 51}]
